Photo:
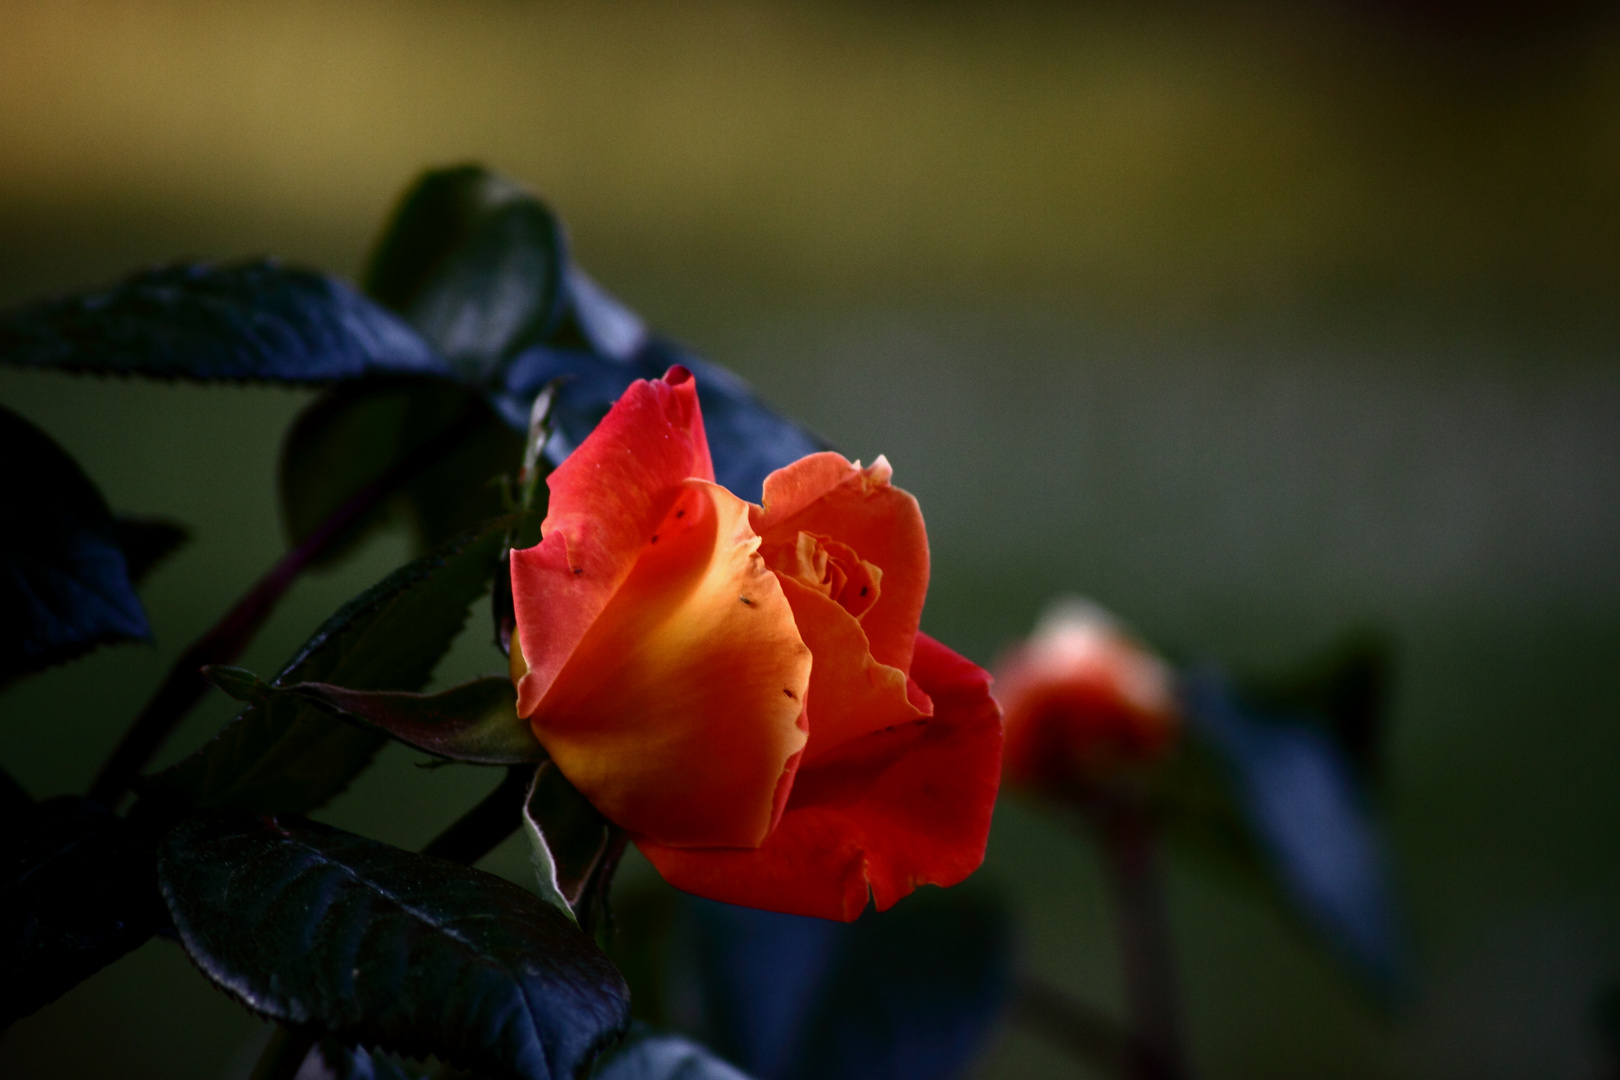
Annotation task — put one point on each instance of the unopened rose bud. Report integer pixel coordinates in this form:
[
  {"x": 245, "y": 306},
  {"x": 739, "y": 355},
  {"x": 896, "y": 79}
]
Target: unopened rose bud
[{"x": 1081, "y": 698}]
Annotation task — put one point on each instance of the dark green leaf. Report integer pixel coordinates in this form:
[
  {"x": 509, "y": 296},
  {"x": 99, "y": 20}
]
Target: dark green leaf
[
  {"x": 911, "y": 993},
  {"x": 147, "y": 542},
  {"x": 1301, "y": 802},
  {"x": 256, "y": 321},
  {"x": 568, "y": 838},
  {"x": 647, "y": 1055},
  {"x": 1189, "y": 795},
  {"x": 480, "y": 267},
  {"x": 345, "y": 1062},
  {"x": 76, "y": 893},
  {"x": 309, "y": 925},
  {"x": 475, "y": 263},
  {"x": 354, "y": 433},
  {"x": 286, "y": 755},
  {"x": 475, "y": 722},
  {"x": 64, "y": 583},
  {"x": 747, "y": 438},
  {"x": 596, "y": 321},
  {"x": 1347, "y": 687}
]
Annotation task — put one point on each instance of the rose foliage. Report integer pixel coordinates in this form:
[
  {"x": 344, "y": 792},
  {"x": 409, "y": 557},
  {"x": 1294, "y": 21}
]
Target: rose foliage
[
  {"x": 741, "y": 690},
  {"x": 711, "y": 624}
]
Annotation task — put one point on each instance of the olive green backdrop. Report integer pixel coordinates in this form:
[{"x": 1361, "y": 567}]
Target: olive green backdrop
[{"x": 1251, "y": 324}]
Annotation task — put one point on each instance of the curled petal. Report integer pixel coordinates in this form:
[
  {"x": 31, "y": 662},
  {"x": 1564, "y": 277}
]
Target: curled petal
[
  {"x": 680, "y": 712},
  {"x": 826, "y": 495},
  {"x": 606, "y": 500},
  {"x": 832, "y": 569},
  {"x": 851, "y": 694},
  {"x": 882, "y": 815}
]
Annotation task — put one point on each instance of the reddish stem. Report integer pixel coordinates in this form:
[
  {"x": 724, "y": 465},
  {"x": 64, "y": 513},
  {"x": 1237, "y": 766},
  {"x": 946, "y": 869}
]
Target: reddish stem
[
  {"x": 224, "y": 641},
  {"x": 1146, "y": 954}
]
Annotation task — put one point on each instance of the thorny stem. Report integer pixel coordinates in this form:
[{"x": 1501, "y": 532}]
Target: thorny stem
[
  {"x": 183, "y": 687},
  {"x": 1144, "y": 942}
]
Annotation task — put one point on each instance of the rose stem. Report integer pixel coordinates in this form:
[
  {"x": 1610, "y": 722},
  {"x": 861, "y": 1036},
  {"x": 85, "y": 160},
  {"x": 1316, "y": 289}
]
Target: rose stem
[
  {"x": 593, "y": 898},
  {"x": 1144, "y": 941},
  {"x": 284, "y": 1054},
  {"x": 225, "y": 640},
  {"x": 1087, "y": 1033},
  {"x": 481, "y": 829}
]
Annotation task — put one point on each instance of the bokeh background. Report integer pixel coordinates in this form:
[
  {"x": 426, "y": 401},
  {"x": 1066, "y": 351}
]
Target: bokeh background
[{"x": 1253, "y": 322}]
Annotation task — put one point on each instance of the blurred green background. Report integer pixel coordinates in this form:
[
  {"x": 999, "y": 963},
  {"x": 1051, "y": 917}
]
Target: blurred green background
[{"x": 1251, "y": 323}]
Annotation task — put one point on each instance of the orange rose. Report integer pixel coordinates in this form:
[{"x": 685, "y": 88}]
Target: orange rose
[
  {"x": 743, "y": 688},
  {"x": 1079, "y": 694}
]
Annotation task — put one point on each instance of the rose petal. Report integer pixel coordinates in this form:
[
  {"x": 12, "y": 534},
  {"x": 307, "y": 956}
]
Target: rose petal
[
  {"x": 890, "y": 812},
  {"x": 851, "y": 694},
  {"x": 606, "y": 500},
  {"x": 680, "y": 713},
  {"x": 826, "y": 495}
]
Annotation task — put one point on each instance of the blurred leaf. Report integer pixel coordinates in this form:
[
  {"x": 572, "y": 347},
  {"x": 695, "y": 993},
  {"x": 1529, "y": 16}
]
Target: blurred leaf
[
  {"x": 912, "y": 993},
  {"x": 286, "y": 755},
  {"x": 64, "y": 584},
  {"x": 1189, "y": 796},
  {"x": 475, "y": 722},
  {"x": 76, "y": 893},
  {"x": 568, "y": 838},
  {"x": 646, "y": 1055},
  {"x": 147, "y": 542},
  {"x": 257, "y": 321},
  {"x": 1299, "y": 797},
  {"x": 595, "y": 320},
  {"x": 309, "y": 925},
  {"x": 480, "y": 267},
  {"x": 747, "y": 438},
  {"x": 354, "y": 433},
  {"x": 1347, "y": 685},
  {"x": 475, "y": 263}
]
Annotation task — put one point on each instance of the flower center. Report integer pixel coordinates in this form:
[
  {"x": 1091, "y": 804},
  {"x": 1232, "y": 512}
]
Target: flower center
[{"x": 834, "y": 570}]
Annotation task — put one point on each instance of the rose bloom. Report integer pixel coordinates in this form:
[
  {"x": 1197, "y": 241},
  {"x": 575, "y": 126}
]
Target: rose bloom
[
  {"x": 743, "y": 688},
  {"x": 1081, "y": 696}
]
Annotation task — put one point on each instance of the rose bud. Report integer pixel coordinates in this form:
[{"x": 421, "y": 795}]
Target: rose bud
[
  {"x": 1082, "y": 698},
  {"x": 743, "y": 688}
]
